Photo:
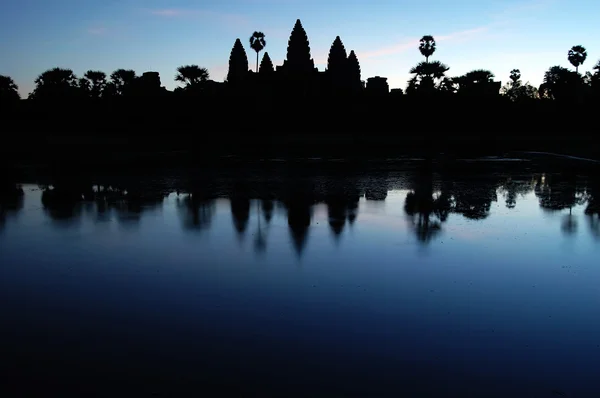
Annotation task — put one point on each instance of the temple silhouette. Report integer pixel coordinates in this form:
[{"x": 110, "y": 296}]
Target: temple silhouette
[
  {"x": 296, "y": 110},
  {"x": 298, "y": 75}
]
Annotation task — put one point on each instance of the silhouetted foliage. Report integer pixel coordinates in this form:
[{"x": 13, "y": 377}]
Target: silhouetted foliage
[
  {"x": 560, "y": 84},
  {"x": 427, "y": 46},
  {"x": 515, "y": 90},
  {"x": 428, "y": 76},
  {"x": 56, "y": 83},
  {"x": 9, "y": 91},
  {"x": 192, "y": 75},
  {"x": 478, "y": 82},
  {"x": 258, "y": 43},
  {"x": 95, "y": 83},
  {"x": 121, "y": 81},
  {"x": 577, "y": 56}
]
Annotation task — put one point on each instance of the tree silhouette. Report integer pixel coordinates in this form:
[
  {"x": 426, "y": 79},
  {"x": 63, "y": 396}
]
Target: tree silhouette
[
  {"x": 298, "y": 51},
  {"x": 96, "y": 81},
  {"x": 9, "y": 91},
  {"x": 55, "y": 83},
  {"x": 426, "y": 75},
  {"x": 595, "y": 80},
  {"x": 447, "y": 85},
  {"x": 577, "y": 56},
  {"x": 122, "y": 80},
  {"x": 191, "y": 75},
  {"x": 266, "y": 65},
  {"x": 479, "y": 76},
  {"x": 515, "y": 77},
  {"x": 477, "y": 82},
  {"x": 427, "y": 46},
  {"x": 85, "y": 86},
  {"x": 238, "y": 63},
  {"x": 515, "y": 90},
  {"x": 559, "y": 83},
  {"x": 257, "y": 43}
]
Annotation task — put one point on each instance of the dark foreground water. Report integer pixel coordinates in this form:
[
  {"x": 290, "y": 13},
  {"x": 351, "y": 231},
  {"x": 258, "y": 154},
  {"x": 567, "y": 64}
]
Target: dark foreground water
[{"x": 386, "y": 283}]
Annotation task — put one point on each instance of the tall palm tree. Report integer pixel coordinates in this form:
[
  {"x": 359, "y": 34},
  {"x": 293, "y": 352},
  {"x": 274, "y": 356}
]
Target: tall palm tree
[
  {"x": 427, "y": 46},
  {"x": 8, "y": 88},
  {"x": 577, "y": 56},
  {"x": 257, "y": 43},
  {"x": 515, "y": 77},
  {"x": 191, "y": 75}
]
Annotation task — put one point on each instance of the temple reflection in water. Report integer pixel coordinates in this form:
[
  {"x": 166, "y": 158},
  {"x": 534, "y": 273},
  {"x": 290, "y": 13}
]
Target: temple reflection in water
[{"x": 428, "y": 200}]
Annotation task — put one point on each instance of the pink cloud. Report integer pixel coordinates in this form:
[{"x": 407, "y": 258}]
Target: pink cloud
[
  {"x": 225, "y": 18},
  {"x": 412, "y": 43},
  {"x": 169, "y": 12},
  {"x": 98, "y": 31}
]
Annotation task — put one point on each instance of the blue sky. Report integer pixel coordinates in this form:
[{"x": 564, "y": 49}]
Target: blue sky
[{"x": 160, "y": 35}]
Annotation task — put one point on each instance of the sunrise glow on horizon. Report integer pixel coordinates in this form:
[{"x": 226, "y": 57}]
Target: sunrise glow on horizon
[{"x": 160, "y": 35}]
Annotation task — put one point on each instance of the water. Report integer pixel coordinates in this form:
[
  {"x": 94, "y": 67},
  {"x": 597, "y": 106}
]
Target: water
[{"x": 463, "y": 284}]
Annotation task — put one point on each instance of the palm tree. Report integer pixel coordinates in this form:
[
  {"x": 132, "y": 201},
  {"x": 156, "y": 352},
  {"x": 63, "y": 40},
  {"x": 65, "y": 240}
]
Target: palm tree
[
  {"x": 97, "y": 82},
  {"x": 191, "y": 75},
  {"x": 427, "y": 46},
  {"x": 8, "y": 89},
  {"x": 257, "y": 43},
  {"x": 435, "y": 69},
  {"x": 55, "y": 83},
  {"x": 121, "y": 79},
  {"x": 577, "y": 56},
  {"x": 515, "y": 77},
  {"x": 426, "y": 73}
]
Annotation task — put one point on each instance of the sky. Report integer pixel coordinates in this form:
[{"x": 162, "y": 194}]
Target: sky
[{"x": 160, "y": 35}]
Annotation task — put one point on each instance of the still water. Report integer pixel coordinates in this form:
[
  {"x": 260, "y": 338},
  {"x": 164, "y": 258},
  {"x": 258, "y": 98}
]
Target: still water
[{"x": 393, "y": 283}]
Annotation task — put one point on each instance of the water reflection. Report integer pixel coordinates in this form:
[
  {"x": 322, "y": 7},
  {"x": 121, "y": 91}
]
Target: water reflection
[
  {"x": 205, "y": 275},
  {"x": 429, "y": 200},
  {"x": 11, "y": 201},
  {"x": 196, "y": 211},
  {"x": 592, "y": 210}
]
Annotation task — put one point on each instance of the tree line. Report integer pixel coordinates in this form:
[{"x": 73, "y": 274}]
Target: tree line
[{"x": 429, "y": 77}]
